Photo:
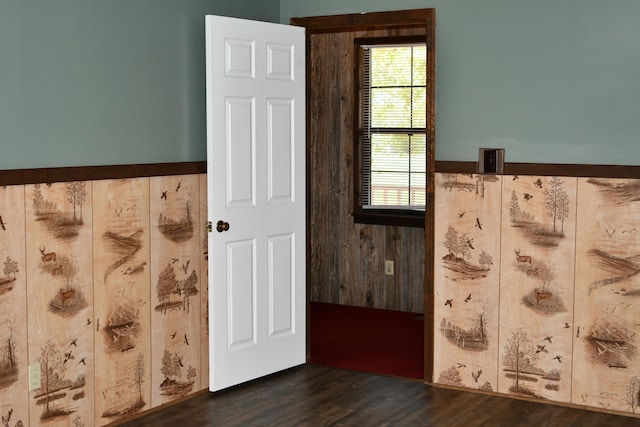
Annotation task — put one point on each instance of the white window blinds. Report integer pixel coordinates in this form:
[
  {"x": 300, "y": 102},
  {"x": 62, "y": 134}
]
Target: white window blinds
[{"x": 393, "y": 126}]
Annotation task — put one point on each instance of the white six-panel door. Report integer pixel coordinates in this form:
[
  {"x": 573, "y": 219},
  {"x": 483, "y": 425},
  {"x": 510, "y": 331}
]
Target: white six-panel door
[{"x": 256, "y": 184}]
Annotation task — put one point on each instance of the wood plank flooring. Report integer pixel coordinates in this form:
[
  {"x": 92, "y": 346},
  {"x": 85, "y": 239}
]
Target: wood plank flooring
[{"x": 311, "y": 395}]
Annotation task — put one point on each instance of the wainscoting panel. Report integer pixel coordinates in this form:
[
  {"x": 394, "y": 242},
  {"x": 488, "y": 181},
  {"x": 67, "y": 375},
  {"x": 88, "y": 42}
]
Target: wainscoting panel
[
  {"x": 122, "y": 297},
  {"x": 606, "y": 369},
  {"x": 14, "y": 397},
  {"x": 175, "y": 286},
  {"x": 60, "y": 289},
  {"x": 467, "y": 260},
  {"x": 103, "y": 288},
  {"x": 567, "y": 321},
  {"x": 536, "y": 286}
]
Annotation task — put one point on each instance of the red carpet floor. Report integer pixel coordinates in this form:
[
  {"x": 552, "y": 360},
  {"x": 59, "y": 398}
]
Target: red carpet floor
[{"x": 368, "y": 340}]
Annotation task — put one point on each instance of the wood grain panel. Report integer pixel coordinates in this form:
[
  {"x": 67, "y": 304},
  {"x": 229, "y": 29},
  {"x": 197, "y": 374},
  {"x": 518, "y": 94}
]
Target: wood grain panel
[
  {"x": 413, "y": 270},
  {"x": 605, "y": 336},
  {"x": 346, "y": 260},
  {"x": 322, "y": 217},
  {"x": 393, "y": 252},
  {"x": 466, "y": 297},
  {"x": 60, "y": 294},
  {"x": 537, "y": 286},
  {"x": 122, "y": 290},
  {"x": 368, "y": 289},
  {"x": 14, "y": 396},
  {"x": 175, "y": 286}
]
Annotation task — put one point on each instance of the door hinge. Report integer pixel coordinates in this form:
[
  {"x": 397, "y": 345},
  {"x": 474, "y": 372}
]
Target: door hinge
[{"x": 209, "y": 227}]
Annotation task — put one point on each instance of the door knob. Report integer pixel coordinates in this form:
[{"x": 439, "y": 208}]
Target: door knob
[{"x": 222, "y": 226}]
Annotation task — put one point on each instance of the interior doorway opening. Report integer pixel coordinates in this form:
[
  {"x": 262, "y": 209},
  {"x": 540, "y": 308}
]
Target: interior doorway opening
[{"x": 347, "y": 256}]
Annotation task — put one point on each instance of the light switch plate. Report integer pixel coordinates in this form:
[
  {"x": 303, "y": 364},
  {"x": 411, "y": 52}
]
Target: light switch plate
[{"x": 388, "y": 267}]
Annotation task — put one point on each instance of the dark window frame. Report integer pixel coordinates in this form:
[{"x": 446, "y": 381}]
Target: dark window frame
[{"x": 370, "y": 215}]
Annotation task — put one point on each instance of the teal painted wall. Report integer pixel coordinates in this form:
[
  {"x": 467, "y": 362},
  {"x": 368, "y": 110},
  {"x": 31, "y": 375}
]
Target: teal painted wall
[
  {"x": 550, "y": 81},
  {"x": 90, "y": 82},
  {"x": 94, "y": 82}
]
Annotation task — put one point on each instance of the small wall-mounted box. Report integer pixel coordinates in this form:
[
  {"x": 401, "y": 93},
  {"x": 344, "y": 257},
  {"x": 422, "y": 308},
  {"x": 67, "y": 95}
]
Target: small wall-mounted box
[{"x": 491, "y": 160}]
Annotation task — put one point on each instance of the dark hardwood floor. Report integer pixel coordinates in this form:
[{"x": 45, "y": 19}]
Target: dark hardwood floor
[{"x": 317, "y": 396}]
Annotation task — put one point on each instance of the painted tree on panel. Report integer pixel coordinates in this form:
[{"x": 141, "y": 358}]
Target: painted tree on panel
[
  {"x": 485, "y": 260},
  {"x": 632, "y": 393},
  {"x": 188, "y": 289},
  {"x": 61, "y": 225},
  {"x": 8, "y": 358},
  {"x": 168, "y": 285},
  {"x": 557, "y": 202},
  {"x": 11, "y": 268},
  {"x": 52, "y": 367},
  {"x": 128, "y": 390},
  {"x": 460, "y": 247},
  {"x": 451, "y": 376},
  {"x": 519, "y": 357},
  {"x": 77, "y": 195},
  {"x": 139, "y": 376},
  {"x": 514, "y": 209},
  {"x": 172, "y": 364}
]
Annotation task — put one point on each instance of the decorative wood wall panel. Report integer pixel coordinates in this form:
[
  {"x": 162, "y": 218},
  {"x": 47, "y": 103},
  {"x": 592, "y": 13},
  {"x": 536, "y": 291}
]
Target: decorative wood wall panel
[
  {"x": 567, "y": 313},
  {"x": 14, "y": 398},
  {"x": 122, "y": 298},
  {"x": 467, "y": 260},
  {"x": 536, "y": 286},
  {"x": 346, "y": 261},
  {"x": 77, "y": 293},
  {"x": 60, "y": 301},
  {"x": 175, "y": 286},
  {"x": 607, "y": 322}
]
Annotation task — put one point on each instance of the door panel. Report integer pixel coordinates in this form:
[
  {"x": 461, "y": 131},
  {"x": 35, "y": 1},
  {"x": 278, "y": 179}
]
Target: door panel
[
  {"x": 281, "y": 149},
  {"x": 241, "y": 292},
  {"x": 281, "y": 285},
  {"x": 240, "y": 149},
  {"x": 256, "y": 182}
]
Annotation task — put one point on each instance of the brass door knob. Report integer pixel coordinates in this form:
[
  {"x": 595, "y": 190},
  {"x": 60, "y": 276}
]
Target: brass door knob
[{"x": 222, "y": 226}]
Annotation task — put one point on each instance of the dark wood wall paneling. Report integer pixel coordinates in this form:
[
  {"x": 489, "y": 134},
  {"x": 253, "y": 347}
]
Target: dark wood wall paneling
[{"x": 346, "y": 259}]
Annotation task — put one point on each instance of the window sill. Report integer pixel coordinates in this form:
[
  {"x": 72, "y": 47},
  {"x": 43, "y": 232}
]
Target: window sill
[{"x": 390, "y": 217}]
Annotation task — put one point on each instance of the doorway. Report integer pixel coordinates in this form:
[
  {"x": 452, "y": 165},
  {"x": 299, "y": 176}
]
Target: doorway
[{"x": 346, "y": 260}]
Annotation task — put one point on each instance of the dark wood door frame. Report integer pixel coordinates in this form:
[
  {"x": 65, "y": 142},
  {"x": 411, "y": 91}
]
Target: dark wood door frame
[{"x": 397, "y": 19}]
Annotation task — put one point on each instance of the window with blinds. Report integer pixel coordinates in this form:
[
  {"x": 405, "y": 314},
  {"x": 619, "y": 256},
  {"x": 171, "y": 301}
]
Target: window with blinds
[{"x": 392, "y": 131}]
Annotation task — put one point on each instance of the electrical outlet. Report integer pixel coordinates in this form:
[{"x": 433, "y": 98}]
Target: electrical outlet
[
  {"x": 388, "y": 267},
  {"x": 34, "y": 376}
]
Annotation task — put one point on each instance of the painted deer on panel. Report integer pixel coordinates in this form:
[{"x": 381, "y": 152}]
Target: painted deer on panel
[
  {"x": 522, "y": 258},
  {"x": 47, "y": 257}
]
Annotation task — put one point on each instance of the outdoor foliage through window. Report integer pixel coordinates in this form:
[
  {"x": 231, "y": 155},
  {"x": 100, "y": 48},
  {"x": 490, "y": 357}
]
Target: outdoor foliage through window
[{"x": 393, "y": 96}]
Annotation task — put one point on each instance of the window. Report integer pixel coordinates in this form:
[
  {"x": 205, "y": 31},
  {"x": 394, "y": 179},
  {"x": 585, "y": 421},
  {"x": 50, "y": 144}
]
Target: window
[{"x": 392, "y": 132}]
